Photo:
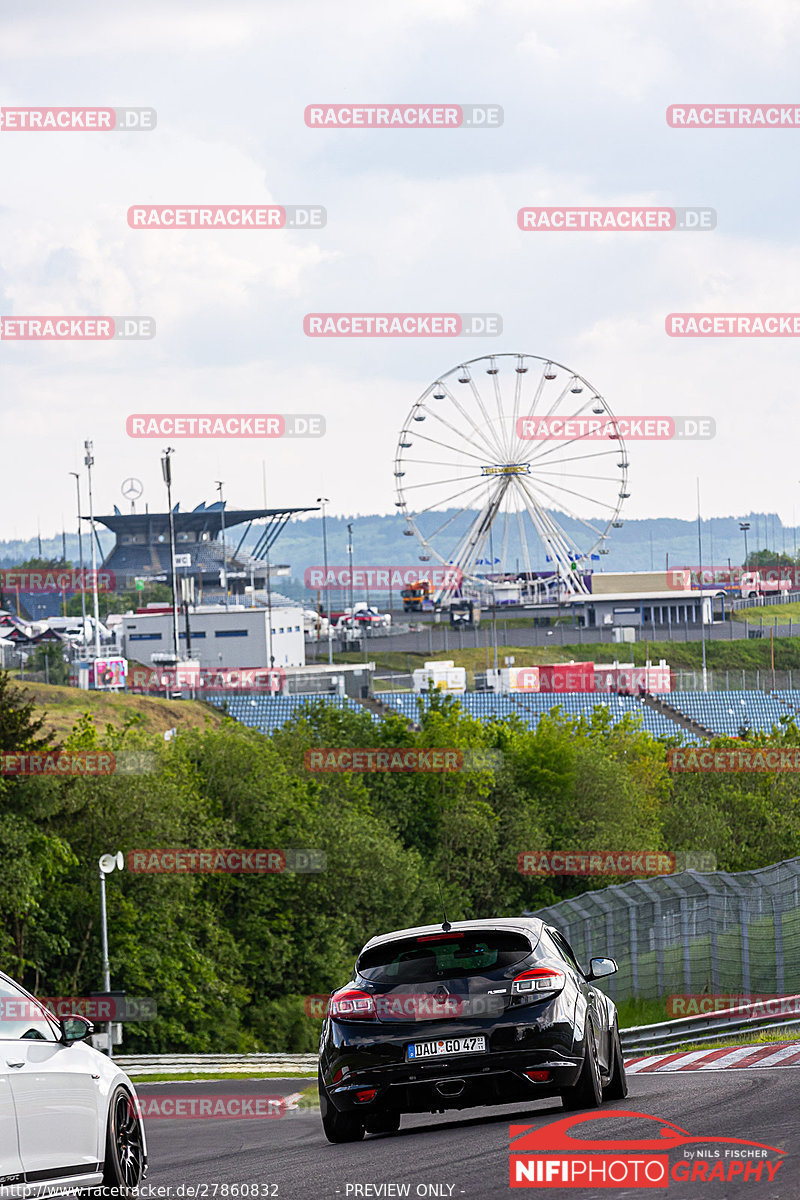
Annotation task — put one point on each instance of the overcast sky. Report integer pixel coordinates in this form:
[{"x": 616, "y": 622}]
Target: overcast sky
[{"x": 418, "y": 221}]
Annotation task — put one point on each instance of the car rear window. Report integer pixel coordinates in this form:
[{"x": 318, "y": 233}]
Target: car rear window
[{"x": 445, "y": 956}]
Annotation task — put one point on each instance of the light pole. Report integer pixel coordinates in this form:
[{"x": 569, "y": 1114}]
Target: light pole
[
  {"x": 744, "y": 526},
  {"x": 89, "y": 462},
  {"x": 80, "y": 553},
  {"x": 323, "y": 500},
  {"x": 166, "y": 471},
  {"x": 702, "y": 597},
  {"x": 107, "y": 863},
  {"x": 219, "y": 483},
  {"x": 350, "y": 560}
]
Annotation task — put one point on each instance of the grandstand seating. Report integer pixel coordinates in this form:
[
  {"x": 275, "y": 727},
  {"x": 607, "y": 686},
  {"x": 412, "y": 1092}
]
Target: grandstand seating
[
  {"x": 727, "y": 712},
  {"x": 721, "y": 712},
  {"x": 529, "y": 707},
  {"x": 266, "y": 713}
]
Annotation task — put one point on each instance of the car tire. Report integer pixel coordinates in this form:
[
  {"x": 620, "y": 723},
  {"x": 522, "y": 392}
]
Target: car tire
[
  {"x": 588, "y": 1091},
  {"x": 123, "y": 1167},
  {"x": 338, "y": 1126},
  {"x": 617, "y": 1086},
  {"x": 382, "y": 1122}
]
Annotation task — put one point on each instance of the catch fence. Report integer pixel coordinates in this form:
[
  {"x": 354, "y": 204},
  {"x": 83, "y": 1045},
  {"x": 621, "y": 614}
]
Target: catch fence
[{"x": 691, "y": 933}]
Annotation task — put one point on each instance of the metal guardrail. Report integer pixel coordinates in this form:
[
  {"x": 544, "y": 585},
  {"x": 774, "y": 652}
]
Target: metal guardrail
[
  {"x": 217, "y": 1064},
  {"x": 665, "y": 1035},
  {"x": 713, "y": 1027}
]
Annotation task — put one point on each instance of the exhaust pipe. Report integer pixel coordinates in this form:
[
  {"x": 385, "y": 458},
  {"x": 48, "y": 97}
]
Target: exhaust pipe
[{"x": 450, "y": 1088}]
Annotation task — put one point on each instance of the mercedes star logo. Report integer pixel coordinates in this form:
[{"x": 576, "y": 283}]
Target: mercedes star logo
[{"x": 132, "y": 488}]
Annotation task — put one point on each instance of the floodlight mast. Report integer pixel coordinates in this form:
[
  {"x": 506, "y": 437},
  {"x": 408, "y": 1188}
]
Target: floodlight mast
[
  {"x": 220, "y": 483},
  {"x": 80, "y": 553},
  {"x": 89, "y": 461},
  {"x": 323, "y": 500},
  {"x": 166, "y": 471}
]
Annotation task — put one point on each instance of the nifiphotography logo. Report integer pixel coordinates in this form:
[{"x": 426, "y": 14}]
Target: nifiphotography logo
[{"x": 549, "y": 1156}]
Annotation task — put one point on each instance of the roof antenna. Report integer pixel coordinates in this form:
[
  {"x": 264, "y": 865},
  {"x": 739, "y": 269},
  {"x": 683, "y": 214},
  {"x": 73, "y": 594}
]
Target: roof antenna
[{"x": 446, "y": 926}]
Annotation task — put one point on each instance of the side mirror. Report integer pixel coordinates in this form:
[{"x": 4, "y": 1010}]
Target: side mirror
[
  {"x": 599, "y": 967},
  {"x": 75, "y": 1029}
]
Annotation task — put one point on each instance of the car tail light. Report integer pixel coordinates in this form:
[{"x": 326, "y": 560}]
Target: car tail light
[
  {"x": 352, "y": 1006},
  {"x": 366, "y": 1095},
  {"x": 540, "y": 983},
  {"x": 538, "y": 1076}
]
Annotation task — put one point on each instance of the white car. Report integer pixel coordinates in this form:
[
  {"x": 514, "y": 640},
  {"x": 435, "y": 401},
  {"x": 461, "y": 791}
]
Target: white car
[{"x": 69, "y": 1117}]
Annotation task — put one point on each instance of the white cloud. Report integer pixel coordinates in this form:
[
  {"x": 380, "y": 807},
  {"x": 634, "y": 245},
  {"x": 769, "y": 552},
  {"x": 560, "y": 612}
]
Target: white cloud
[{"x": 417, "y": 221}]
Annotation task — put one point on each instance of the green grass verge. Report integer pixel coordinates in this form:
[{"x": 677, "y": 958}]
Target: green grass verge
[
  {"x": 641, "y": 1012},
  {"x": 769, "y": 614},
  {"x": 189, "y": 1076},
  {"x": 309, "y": 1098}
]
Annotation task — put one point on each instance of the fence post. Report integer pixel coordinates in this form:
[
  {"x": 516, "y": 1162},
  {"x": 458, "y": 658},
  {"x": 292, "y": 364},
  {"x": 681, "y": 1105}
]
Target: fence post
[
  {"x": 658, "y": 929},
  {"x": 777, "y": 922},
  {"x": 745, "y": 942}
]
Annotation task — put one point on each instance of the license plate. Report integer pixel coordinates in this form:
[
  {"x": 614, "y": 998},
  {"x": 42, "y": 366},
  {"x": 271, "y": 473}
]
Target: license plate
[{"x": 465, "y": 1045}]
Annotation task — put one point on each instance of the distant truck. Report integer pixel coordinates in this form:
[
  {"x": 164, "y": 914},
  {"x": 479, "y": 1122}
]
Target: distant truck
[
  {"x": 418, "y": 596},
  {"x": 763, "y": 583},
  {"x": 770, "y": 581}
]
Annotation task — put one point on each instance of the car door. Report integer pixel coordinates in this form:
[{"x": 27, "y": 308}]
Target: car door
[
  {"x": 10, "y": 1161},
  {"x": 54, "y": 1088},
  {"x": 595, "y": 1003}
]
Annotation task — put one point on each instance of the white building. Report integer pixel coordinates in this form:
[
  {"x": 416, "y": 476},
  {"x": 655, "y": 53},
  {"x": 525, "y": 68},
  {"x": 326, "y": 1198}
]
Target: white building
[
  {"x": 443, "y": 676},
  {"x": 220, "y": 637}
]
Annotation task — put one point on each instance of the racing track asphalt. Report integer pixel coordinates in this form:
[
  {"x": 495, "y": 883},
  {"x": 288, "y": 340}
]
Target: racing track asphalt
[{"x": 466, "y": 1152}]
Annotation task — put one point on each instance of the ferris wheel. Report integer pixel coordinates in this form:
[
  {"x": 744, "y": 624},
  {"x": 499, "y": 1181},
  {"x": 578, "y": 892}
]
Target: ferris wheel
[{"x": 511, "y": 465}]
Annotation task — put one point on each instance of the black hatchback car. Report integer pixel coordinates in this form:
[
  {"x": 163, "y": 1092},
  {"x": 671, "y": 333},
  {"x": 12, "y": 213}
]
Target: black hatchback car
[{"x": 454, "y": 1016}]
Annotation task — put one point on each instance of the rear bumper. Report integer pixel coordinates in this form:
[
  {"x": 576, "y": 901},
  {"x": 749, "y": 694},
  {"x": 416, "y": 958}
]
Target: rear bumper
[{"x": 464, "y": 1081}]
